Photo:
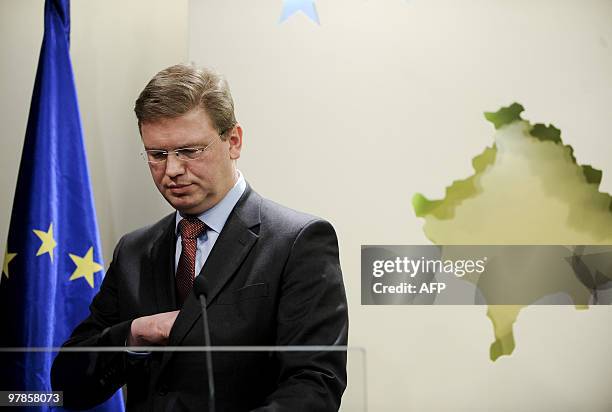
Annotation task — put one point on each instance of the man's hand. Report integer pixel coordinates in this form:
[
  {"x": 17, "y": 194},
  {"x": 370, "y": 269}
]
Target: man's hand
[{"x": 152, "y": 330}]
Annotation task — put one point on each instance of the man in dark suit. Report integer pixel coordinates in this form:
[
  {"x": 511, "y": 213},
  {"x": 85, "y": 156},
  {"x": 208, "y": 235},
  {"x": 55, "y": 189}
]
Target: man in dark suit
[{"x": 272, "y": 274}]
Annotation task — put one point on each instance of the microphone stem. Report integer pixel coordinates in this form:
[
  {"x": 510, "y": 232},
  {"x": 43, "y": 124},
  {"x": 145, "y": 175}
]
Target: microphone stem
[{"x": 209, "y": 367}]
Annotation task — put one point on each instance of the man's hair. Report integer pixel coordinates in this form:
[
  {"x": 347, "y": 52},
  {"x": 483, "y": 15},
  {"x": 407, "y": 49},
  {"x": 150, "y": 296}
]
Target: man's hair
[{"x": 179, "y": 89}]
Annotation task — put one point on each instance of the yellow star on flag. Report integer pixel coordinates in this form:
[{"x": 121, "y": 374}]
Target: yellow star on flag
[
  {"x": 86, "y": 267},
  {"x": 7, "y": 259},
  {"x": 48, "y": 243}
]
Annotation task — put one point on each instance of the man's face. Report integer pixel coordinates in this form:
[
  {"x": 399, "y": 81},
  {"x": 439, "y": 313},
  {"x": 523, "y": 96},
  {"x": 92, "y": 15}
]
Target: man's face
[{"x": 193, "y": 186}]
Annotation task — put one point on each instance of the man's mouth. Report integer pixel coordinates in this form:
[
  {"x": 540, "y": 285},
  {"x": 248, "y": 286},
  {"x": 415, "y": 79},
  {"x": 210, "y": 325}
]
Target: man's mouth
[{"x": 178, "y": 189}]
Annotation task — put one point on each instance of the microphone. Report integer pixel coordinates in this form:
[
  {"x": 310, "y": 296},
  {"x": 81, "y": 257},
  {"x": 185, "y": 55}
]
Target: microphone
[{"x": 200, "y": 289}]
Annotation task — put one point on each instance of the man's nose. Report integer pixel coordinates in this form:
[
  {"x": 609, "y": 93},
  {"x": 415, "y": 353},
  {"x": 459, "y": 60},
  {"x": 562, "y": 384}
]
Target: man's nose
[{"x": 174, "y": 166}]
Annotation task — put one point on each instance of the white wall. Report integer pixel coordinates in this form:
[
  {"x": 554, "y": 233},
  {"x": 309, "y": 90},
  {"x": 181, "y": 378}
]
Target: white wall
[
  {"x": 21, "y": 34},
  {"x": 386, "y": 98},
  {"x": 116, "y": 47}
]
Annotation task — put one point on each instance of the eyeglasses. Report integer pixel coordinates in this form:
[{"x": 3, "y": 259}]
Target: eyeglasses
[{"x": 155, "y": 156}]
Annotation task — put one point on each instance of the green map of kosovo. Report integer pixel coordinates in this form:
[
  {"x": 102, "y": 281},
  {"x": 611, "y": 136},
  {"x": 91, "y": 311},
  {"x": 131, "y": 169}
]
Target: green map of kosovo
[{"x": 527, "y": 189}]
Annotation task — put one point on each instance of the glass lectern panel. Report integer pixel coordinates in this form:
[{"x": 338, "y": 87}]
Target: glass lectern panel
[{"x": 231, "y": 378}]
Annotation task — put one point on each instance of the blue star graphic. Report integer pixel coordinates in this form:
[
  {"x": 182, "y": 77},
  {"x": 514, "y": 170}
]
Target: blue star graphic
[{"x": 307, "y": 7}]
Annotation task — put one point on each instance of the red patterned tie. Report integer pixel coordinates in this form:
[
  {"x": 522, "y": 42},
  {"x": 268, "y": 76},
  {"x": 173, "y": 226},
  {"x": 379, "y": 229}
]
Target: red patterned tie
[{"x": 190, "y": 229}]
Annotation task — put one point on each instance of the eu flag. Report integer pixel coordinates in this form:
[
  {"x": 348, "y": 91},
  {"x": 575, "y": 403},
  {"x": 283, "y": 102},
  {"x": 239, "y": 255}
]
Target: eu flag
[{"x": 53, "y": 263}]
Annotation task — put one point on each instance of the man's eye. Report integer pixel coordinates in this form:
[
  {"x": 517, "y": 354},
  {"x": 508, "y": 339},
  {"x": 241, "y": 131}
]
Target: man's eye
[
  {"x": 157, "y": 155},
  {"x": 189, "y": 152}
]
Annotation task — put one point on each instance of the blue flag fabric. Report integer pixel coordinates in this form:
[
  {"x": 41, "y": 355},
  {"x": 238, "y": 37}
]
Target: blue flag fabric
[{"x": 53, "y": 265}]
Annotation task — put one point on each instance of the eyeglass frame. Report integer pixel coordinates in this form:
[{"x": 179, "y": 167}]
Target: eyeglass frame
[{"x": 145, "y": 153}]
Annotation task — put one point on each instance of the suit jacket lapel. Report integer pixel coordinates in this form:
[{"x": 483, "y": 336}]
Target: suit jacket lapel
[
  {"x": 162, "y": 267},
  {"x": 233, "y": 245}
]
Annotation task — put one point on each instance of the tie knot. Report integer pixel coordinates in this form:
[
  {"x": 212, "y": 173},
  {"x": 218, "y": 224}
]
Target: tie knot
[{"x": 191, "y": 228}]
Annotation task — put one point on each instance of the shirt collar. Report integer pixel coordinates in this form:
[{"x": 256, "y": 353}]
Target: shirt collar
[{"x": 216, "y": 216}]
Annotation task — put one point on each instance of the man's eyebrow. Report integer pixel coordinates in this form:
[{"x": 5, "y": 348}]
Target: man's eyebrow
[{"x": 181, "y": 146}]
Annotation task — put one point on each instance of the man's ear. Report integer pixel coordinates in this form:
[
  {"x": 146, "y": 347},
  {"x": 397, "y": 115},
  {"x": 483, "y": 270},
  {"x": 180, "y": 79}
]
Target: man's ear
[{"x": 235, "y": 141}]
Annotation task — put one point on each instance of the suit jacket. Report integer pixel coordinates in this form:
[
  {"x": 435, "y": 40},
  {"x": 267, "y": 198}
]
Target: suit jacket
[{"x": 273, "y": 279}]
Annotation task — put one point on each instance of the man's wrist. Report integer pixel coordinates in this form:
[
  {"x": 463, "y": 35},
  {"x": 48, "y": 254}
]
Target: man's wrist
[
  {"x": 130, "y": 342},
  {"x": 133, "y": 334}
]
